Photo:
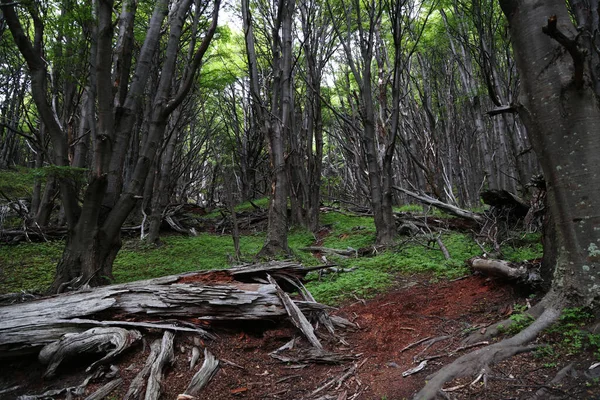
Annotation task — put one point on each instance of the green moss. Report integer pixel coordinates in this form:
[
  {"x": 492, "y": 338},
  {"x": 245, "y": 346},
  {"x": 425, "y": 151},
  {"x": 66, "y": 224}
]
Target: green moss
[
  {"x": 28, "y": 266},
  {"x": 180, "y": 254},
  {"x": 362, "y": 283}
]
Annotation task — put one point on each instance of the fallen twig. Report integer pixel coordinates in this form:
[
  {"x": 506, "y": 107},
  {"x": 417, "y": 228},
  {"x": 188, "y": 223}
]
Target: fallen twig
[{"x": 410, "y": 346}]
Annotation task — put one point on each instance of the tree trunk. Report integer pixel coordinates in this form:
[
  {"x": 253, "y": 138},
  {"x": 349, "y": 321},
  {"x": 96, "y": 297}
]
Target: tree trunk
[{"x": 559, "y": 106}]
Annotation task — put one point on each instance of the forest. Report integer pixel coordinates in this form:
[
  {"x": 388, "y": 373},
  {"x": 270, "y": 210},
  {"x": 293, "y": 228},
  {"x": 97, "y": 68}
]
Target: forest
[{"x": 193, "y": 192}]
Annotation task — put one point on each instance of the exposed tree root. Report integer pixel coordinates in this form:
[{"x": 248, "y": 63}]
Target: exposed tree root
[
  {"x": 496, "y": 329},
  {"x": 480, "y": 359}
]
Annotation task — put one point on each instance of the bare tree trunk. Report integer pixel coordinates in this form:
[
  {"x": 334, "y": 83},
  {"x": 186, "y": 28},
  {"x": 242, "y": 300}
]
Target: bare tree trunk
[{"x": 275, "y": 124}]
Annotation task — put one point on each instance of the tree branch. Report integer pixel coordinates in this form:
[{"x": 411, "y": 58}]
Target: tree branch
[{"x": 571, "y": 46}]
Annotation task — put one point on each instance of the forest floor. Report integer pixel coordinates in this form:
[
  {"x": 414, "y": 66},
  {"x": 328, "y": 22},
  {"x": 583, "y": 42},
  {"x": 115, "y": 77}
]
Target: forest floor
[{"x": 394, "y": 336}]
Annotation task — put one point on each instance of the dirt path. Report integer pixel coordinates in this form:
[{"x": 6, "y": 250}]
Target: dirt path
[{"x": 432, "y": 317}]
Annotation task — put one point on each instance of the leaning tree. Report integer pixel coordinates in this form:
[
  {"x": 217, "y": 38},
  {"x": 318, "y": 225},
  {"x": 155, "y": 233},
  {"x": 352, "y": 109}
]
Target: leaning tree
[
  {"x": 120, "y": 75},
  {"x": 559, "y": 105}
]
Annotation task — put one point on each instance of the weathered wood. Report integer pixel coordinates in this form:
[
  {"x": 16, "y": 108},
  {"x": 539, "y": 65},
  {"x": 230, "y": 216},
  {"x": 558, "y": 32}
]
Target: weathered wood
[
  {"x": 165, "y": 357},
  {"x": 327, "y": 250},
  {"x": 314, "y": 355},
  {"x": 297, "y": 317},
  {"x": 222, "y": 295},
  {"x": 209, "y": 368},
  {"x": 195, "y": 356},
  {"x": 105, "y": 390},
  {"x": 450, "y": 209},
  {"x": 93, "y": 340},
  {"x": 506, "y": 269},
  {"x": 68, "y": 391},
  {"x": 136, "y": 388}
]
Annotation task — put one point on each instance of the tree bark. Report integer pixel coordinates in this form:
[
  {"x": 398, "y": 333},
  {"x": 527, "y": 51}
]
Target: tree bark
[{"x": 559, "y": 106}]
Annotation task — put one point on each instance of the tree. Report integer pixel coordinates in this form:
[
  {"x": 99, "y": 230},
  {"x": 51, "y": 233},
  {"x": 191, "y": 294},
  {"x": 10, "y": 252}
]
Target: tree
[
  {"x": 560, "y": 108},
  {"x": 94, "y": 223},
  {"x": 274, "y": 116},
  {"x": 363, "y": 24}
]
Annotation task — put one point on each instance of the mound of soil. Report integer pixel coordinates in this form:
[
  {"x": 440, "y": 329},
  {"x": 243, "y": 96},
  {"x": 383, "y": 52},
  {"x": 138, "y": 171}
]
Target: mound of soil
[{"x": 420, "y": 320}]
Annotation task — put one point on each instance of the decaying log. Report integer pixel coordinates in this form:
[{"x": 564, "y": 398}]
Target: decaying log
[
  {"x": 165, "y": 357},
  {"x": 137, "y": 385},
  {"x": 93, "y": 340},
  {"x": 209, "y": 368},
  {"x": 326, "y": 250},
  {"x": 221, "y": 295},
  {"x": 69, "y": 392},
  {"x": 512, "y": 204},
  {"x": 450, "y": 209},
  {"x": 522, "y": 272}
]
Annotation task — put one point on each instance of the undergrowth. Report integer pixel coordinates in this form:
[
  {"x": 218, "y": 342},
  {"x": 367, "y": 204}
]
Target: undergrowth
[{"x": 32, "y": 266}]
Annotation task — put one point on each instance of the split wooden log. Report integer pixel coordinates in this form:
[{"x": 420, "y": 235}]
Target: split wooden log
[
  {"x": 221, "y": 295},
  {"x": 136, "y": 388},
  {"x": 326, "y": 250},
  {"x": 165, "y": 357},
  {"x": 209, "y": 368},
  {"x": 314, "y": 355}
]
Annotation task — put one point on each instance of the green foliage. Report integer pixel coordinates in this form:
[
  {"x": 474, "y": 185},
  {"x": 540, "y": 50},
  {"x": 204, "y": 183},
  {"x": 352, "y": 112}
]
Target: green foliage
[
  {"x": 573, "y": 338},
  {"x": 348, "y": 231},
  {"x": 520, "y": 321},
  {"x": 420, "y": 258},
  {"x": 570, "y": 337},
  {"x": 525, "y": 247}
]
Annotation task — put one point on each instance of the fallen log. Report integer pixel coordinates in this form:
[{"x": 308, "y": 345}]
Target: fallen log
[
  {"x": 511, "y": 204},
  {"x": 218, "y": 295},
  {"x": 525, "y": 273},
  {"x": 339, "y": 252},
  {"x": 450, "y": 209}
]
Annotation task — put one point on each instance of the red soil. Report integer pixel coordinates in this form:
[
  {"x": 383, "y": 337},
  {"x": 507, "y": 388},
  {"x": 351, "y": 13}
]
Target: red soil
[{"x": 390, "y": 340}]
